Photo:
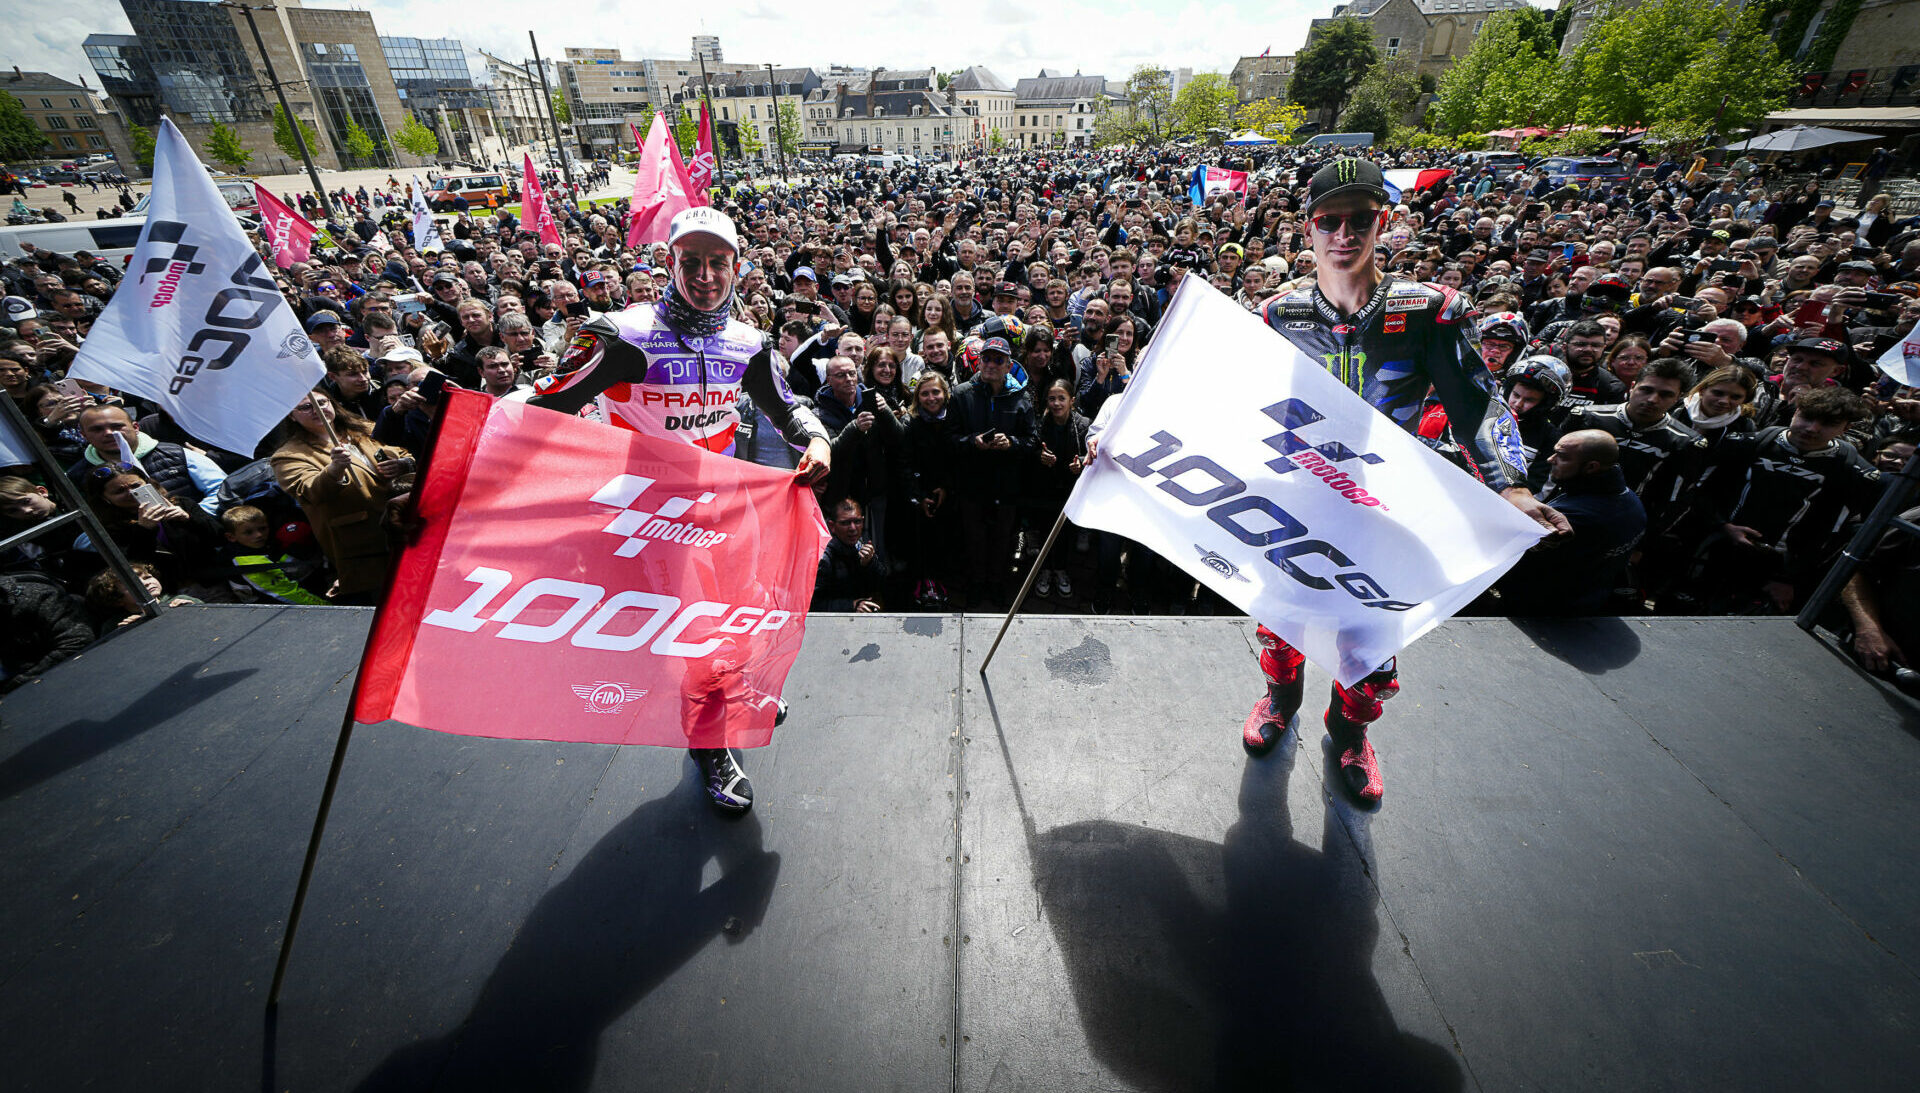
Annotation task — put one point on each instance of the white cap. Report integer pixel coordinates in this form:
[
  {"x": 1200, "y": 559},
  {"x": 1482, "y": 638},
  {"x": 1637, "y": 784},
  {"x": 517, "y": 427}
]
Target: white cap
[
  {"x": 703, "y": 220},
  {"x": 403, "y": 353},
  {"x": 16, "y": 309}
]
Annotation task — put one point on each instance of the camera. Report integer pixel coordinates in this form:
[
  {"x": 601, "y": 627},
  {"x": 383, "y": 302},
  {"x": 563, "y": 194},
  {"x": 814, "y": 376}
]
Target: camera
[{"x": 1883, "y": 301}]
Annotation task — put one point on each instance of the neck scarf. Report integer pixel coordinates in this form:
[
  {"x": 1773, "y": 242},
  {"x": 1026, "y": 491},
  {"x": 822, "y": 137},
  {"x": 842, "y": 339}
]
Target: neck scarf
[
  {"x": 1701, "y": 421},
  {"x": 688, "y": 320}
]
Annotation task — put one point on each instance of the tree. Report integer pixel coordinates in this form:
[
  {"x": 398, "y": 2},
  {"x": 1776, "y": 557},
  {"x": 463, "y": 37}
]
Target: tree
[
  {"x": 1382, "y": 98},
  {"x": 1150, "y": 95},
  {"x": 416, "y": 138},
  {"x": 1503, "y": 80},
  {"x": 1332, "y": 65},
  {"x": 941, "y": 81},
  {"x": 1205, "y": 103},
  {"x": 283, "y": 132},
  {"x": 1686, "y": 55},
  {"x": 789, "y": 129},
  {"x": 748, "y": 135},
  {"x": 996, "y": 142},
  {"x": 224, "y": 147},
  {"x": 1743, "y": 70},
  {"x": 1273, "y": 117},
  {"x": 686, "y": 132},
  {"x": 1112, "y": 126},
  {"x": 142, "y": 138},
  {"x": 360, "y": 144},
  {"x": 19, "y": 137},
  {"x": 562, "y": 113}
]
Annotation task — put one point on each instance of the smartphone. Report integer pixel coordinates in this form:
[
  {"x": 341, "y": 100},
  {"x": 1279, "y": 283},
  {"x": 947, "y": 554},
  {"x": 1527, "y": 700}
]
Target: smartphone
[
  {"x": 1883, "y": 301},
  {"x": 1724, "y": 265},
  {"x": 1567, "y": 249},
  {"x": 432, "y": 387},
  {"x": 1735, "y": 284},
  {"x": 1111, "y": 344},
  {"x": 578, "y": 309},
  {"x": 1812, "y": 311},
  {"x": 1563, "y": 216},
  {"x": 410, "y": 303},
  {"x": 70, "y": 388},
  {"x": 145, "y": 494}
]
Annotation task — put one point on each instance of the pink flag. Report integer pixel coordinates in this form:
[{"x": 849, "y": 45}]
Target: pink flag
[
  {"x": 644, "y": 591},
  {"x": 659, "y": 187},
  {"x": 701, "y": 171},
  {"x": 534, "y": 209},
  {"x": 290, "y": 234}
]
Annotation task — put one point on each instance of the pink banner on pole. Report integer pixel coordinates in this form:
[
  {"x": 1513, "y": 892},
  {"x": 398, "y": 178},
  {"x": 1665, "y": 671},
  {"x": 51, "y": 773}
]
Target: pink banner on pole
[
  {"x": 639, "y": 590},
  {"x": 290, "y": 234},
  {"x": 701, "y": 172},
  {"x": 660, "y": 187},
  {"x": 534, "y": 208}
]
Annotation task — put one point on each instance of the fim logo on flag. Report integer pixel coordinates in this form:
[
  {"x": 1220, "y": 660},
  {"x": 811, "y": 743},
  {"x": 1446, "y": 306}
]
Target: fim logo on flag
[
  {"x": 604, "y": 697},
  {"x": 637, "y": 527},
  {"x": 1217, "y": 562}
]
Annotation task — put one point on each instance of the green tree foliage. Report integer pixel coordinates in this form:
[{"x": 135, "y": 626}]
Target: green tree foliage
[
  {"x": 1332, "y": 65},
  {"x": 562, "y": 113},
  {"x": 1661, "y": 64},
  {"x": 224, "y": 147},
  {"x": 19, "y": 137},
  {"x": 283, "y": 132},
  {"x": 416, "y": 138},
  {"x": 360, "y": 144},
  {"x": 686, "y": 131},
  {"x": 789, "y": 128},
  {"x": 1503, "y": 78},
  {"x": 751, "y": 145},
  {"x": 941, "y": 81},
  {"x": 1387, "y": 92},
  {"x": 1150, "y": 92},
  {"x": 1112, "y": 126},
  {"x": 996, "y": 142},
  {"x": 142, "y": 138},
  {"x": 1272, "y": 117},
  {"x": 1205, "y": 103}
]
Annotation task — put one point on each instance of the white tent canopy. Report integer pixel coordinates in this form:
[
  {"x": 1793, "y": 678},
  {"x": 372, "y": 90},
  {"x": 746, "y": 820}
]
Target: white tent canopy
[
  {"x": 1250, "y": 138},
  {"x": 1799, "y": 138}
]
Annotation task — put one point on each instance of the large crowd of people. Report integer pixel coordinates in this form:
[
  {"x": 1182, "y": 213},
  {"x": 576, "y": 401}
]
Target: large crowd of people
[{"x": 1688, "y": 353}]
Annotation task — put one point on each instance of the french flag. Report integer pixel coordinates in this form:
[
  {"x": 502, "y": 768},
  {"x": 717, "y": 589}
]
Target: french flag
[{"x": 1208, "y": 181}]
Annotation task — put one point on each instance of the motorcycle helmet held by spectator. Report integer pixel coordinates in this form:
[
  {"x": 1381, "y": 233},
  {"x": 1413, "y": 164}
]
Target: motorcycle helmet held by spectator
[
  {"x": 1608, "y": 293},
  {"x": 1509, "y": 325},
  {"x": 1545, "y": 373}
]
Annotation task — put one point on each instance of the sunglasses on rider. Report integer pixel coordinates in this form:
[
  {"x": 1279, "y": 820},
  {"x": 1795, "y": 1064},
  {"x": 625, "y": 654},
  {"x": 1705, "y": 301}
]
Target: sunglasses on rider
[{"x": 1358, "y": 223}]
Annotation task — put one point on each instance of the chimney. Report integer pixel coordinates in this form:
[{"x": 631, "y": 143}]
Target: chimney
[{"x": 17, "y": 77}]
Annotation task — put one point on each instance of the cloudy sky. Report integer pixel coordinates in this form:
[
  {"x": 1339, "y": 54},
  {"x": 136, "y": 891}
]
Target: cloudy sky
[{"x": 1014, "y": 38}]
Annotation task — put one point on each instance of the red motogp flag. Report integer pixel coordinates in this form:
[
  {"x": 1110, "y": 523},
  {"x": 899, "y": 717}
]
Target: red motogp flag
[
  {"x": 701, "y": 171},
  {"x": 577, "y": 582},
  {"x": 534, "y": 209},
  {"x": 290, "y": 234},
  {"x": 660, "y": 187}
]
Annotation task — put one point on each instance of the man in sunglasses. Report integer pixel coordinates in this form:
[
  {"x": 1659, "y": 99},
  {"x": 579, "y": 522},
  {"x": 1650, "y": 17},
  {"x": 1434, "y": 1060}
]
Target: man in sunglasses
[{"x": 1391, "y": 342}]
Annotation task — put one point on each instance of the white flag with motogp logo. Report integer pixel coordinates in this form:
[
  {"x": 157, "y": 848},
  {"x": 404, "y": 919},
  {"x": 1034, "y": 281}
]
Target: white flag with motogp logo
[
  {"x": 425, "y": 232},
  {"x": 198, "y": 325},
  {"x": 1901, "y": 361},
  {"x": 1244, "y": 462}
]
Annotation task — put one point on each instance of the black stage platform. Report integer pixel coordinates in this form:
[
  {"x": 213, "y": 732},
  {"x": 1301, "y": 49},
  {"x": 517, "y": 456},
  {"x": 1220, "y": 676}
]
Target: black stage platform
[{"x": 1662, "y": 854}]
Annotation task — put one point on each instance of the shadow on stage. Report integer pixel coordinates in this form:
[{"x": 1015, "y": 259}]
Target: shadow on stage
[
  {"x": 1246, "y": 965},
  {"x": 630, "y": 914}
]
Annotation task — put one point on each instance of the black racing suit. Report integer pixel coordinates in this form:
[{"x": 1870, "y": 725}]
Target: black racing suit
[{"x": 1407, "y": 341}]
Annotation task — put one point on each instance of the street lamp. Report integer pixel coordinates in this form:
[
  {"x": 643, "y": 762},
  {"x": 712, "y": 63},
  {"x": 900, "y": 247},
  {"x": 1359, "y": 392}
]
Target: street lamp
[{"x": 779, "y": 143}]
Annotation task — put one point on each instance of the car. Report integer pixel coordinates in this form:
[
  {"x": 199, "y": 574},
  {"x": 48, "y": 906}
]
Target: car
[
  {"x": 58, "y": 175},
  {"x": 487, "y": 189},
  {"x": 99, "y": 157},
  {"x": 238, "y": 194},
  {"x": 1580, "y": 170},
  {"x": 1503, "y": 163}
]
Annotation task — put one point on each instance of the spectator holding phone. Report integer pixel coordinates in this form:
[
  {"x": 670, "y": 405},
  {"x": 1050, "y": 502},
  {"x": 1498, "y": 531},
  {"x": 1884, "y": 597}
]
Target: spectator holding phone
[
  {"x": 994, "y": 437},
  {"x": 344, "y": 481},
  {"x": 851, "y": 568},
  {"x": 149, "y": 525}
]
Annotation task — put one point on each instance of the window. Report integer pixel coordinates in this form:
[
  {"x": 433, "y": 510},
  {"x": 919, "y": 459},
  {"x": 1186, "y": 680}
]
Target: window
[
  {"x": 1393, "y": 47},
  {"x": 753, "y": 112},
  {"x": 68, "y": 142},
  {"x": 75, "y": 103},
  {"x": 1079, "y": 123},
  {"x": 94, "y": 141},
  {"x": 83, "y": 122},
  {"x": 55, "y": 121},
  {"x": 723, "y": 114},
  {"x": 46, "y": 104}
]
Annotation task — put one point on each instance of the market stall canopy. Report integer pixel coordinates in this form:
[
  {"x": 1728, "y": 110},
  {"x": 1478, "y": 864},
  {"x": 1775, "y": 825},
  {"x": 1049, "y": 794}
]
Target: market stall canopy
[
  {"x": 1800, "y": 138},
  {"x": 1249, "y": 139}
]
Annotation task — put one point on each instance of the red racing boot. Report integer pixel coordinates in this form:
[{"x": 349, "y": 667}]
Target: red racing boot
[
  {"x": 1349, "y": 713},
  {"x": 1274, "y": 714}
]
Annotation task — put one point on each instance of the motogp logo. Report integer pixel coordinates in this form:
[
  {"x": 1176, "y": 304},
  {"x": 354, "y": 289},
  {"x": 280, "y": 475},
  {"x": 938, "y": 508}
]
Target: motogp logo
[{"x": 638, "y": 527}]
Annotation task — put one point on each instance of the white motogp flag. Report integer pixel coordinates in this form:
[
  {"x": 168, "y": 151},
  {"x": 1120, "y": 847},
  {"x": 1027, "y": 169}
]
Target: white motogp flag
[
  {"x": 198, "y": 325},
  {"x": 425, "y": 234},
  {"x": 1244, "y": 462},
  {"x": 14, "y": 449},
  {"x": 1902, "y": 359}
]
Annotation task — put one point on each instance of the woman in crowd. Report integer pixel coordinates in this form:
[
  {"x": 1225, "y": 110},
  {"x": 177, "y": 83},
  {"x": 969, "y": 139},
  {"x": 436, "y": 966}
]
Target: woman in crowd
[
  {"x": 860, "y": 316},
  {"x": 56, "y": 415},
  {"x": 1628, "y": 357},
  {"x": 905, "y": 299},
  {"x": 928, "y": 446},
  {"x": 345, "y": 483},
  {"x": 936, "y": 314},
  {"x": 1060, "y": 455},
  {"x": 880, "y": 374},
  {"x": 177, "y": 537},
  {"x": 1720, "y": 404}
]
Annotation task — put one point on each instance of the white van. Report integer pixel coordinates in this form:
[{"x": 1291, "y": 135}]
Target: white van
[{"x": 113, "y": 240}]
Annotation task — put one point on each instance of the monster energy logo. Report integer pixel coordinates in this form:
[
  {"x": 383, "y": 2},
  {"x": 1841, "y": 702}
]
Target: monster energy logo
[
  {"x": 1348, "y": 365},
  {"x": 1347, "y": 169}
]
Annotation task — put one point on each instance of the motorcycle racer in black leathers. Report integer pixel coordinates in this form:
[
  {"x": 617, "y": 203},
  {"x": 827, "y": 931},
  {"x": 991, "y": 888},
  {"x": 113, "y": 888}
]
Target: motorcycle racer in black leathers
[{"x": 1392, "y": 342}]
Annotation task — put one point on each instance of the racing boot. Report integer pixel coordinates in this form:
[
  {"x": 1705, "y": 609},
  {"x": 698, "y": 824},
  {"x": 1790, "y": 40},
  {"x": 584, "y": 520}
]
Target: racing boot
[
  {"x": 1277, "y": 712},
  {"x": 726, "y": 784},
  {"x": 1349, "y": 713}
]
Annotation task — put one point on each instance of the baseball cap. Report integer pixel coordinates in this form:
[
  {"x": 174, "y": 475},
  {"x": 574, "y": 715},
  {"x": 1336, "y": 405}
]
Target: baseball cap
[
  {"x": 1346, "y": 175},
  {"x": 403, "y": 353},
  {"x": 1232, "y": 248},
  {"x": 1539, "y": 255},
  {"x": 1006, "y": 288},
  {"x": 1610, "y": 287},
  {"x": 1824, "y": 203},
  {"x": 17, "y": 309},
  {"x": 322, "y": 318},
  {"x": 1831, "y": 347},
  {"x": 843, "y": 280},
  {"x": 444, "y": 277},
  {"x": 805, "y": 273},
  {"x": 996, "y": 345},
  {"x": 593, "y": 277},
  {"x": 703, "y": 220},
  {"x": 1721, "y": 234}
]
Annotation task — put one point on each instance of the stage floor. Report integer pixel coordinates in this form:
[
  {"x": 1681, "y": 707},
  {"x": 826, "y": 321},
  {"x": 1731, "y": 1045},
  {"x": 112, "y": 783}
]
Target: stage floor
[{"x": 1639, "y": 854}]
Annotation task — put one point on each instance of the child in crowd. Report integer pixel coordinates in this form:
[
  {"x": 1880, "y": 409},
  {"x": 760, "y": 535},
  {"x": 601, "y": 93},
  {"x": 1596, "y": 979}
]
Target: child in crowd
[
  {"x": 113, "y": 605},
  {"x": 259, "y": 575}
]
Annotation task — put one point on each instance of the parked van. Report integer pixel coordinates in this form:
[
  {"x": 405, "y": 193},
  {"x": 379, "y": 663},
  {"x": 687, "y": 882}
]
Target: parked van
[
  {"x": 483, "y": 190},
  {"x": 1340, "y": 140},
  {"x": 237, "y": 193},
  {"x": 113, "y": 240}
]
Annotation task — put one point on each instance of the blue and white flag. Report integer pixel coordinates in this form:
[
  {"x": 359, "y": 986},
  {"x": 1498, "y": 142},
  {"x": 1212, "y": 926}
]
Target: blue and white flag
[
  {"x": 198, "y": 325},
  {"x": 1245, "y": 462},
  {"x": 1209, "y": 181},
  {"x": 1901, "y": 361},
  {"x": 425, "y": 233}
]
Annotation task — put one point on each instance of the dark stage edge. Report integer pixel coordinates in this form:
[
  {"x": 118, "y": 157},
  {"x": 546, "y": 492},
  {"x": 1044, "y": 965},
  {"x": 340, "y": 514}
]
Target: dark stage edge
[{"x": 1642, "y": 854}]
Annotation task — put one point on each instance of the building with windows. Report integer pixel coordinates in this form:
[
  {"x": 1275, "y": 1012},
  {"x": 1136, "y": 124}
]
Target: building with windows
[
  {"x": 436, "y": 87},
  {"x": 1055, "y": 111},
  {"x": 1262, "y": 77},
  {"x": 71, "y": 118},
  {"x": 897, "y": 112},
  {"x": 746, "y": 99},
  {"x": 707, "y": 47},
  {"x": 198, "y": 63},
  {"x": 983, "y": 104},
  {"x": 1435, "y": 33},
  {"x": 514, "y": 98},
  {"x": 607, "y": 93}
]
